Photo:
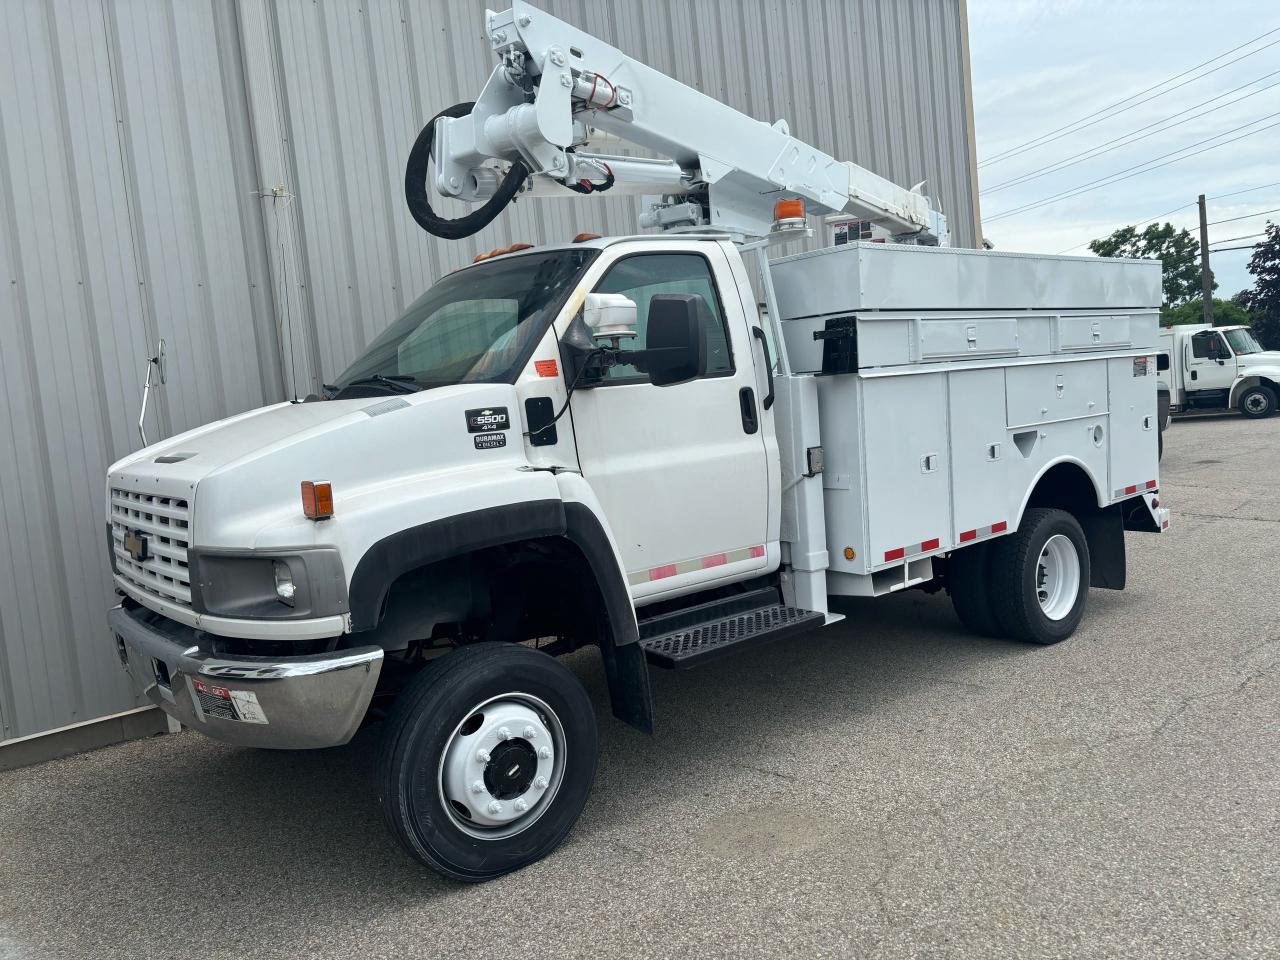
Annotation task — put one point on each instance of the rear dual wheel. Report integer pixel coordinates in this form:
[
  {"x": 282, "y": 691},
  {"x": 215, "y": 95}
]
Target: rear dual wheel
[
  {"x": 1031, "y": 585},
  {"x": 487, "y": 760}
]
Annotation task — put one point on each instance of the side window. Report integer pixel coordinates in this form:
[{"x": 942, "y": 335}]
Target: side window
[
  {"x": 1200, "y": 344},
  {"x": 1162, "y": 361},
  {"x": 644, "y": 276}
]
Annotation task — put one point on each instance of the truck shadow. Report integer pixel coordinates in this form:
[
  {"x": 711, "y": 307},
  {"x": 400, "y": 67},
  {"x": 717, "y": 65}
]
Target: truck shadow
[{"x": 280, "y": 834}]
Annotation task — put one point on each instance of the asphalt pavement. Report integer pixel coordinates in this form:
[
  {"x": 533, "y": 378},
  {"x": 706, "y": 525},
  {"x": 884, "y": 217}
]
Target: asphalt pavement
[{"x": 888, "y": 787}]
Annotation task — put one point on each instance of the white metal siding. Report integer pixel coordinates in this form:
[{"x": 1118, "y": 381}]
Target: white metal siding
[{"x": 137, "y": 136}]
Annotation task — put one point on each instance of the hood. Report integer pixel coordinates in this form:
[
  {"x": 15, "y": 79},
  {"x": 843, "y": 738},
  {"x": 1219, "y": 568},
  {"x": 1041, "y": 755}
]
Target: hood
[
  {"x": 243, "y": 475},
  {"x": 1267, "y": 358}
]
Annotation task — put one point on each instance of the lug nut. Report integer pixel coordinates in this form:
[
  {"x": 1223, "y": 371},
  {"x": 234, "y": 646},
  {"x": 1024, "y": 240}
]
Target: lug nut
[
  {"x": 504, "y": 733},
  {"x": 482, "y": 756},
  {"x": 494, "y": 807},
  {"x": 541, "y": 783},
  {"x": 477, "y": 787},
  {"x": 529, "y": 733},
  {"x": 520, "y": 805},
  {"x": 544, "y": 753}
]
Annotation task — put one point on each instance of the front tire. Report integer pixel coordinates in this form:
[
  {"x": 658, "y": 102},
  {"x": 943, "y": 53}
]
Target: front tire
[
  {"x": 487, "y": 760},
  {"x": 1258, "y": 402},
  {"x": 1040, "y": 577}
]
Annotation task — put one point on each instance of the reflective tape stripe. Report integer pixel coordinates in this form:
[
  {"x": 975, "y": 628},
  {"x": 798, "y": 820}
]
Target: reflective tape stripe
[
  {"x": 696, "y": 564},
  {"x": 1131, "y": 490},
  {"x": 981, "y": 533}
]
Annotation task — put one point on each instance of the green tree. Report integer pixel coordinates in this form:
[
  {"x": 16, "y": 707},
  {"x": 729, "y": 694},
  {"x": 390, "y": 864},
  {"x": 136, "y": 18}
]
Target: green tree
[
  {"x": 1226, "y": 313},
  {"x": 1263, "y": 301},
  {"x": 1177, "y": 250}
]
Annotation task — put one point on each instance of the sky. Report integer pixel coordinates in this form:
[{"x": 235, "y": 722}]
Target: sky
[{"x": 1040, "y": 65}]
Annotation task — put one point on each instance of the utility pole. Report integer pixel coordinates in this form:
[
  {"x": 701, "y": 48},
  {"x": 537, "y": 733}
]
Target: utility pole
[{"x": 1206, "y": 275}]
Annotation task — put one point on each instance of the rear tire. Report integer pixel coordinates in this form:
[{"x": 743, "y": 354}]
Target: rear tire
[
  {"x": 1258, "y": 402},
  {"x": 1040, "y": 577},
  {"x": 969, "y": 573},
  {"x": 487, "y": 759}
]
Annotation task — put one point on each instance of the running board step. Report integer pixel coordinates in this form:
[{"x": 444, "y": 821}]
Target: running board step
[{"x": 699, "y": 642}]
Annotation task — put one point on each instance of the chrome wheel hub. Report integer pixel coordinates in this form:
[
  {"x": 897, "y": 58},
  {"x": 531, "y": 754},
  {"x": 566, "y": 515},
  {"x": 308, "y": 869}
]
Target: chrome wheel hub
[
  {"x": 502, "y": 765},
  {"x": 1256, "y": 403},
  {"x": 1058, "y": 577}
]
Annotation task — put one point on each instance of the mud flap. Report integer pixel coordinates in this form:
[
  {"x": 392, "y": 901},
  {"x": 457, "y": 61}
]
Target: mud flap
[
  {"x": 1104, "y": 532},
  {"x": 627, "y": 672}
]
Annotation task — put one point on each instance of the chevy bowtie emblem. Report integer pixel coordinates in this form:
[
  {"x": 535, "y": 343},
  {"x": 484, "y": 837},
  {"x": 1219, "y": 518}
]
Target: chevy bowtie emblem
[{"x": 135, "y": 544}]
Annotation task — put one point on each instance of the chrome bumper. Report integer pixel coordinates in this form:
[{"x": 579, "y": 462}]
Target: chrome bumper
[{"x": 287, "y": 703}]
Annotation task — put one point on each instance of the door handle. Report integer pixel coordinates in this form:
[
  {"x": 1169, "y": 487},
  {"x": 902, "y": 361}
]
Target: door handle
[
  {"x": 768, "y": 364},
  {"x": 747, "y": 401}
]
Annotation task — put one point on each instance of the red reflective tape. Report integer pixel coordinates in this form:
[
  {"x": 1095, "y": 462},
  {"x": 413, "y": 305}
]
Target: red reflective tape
[
  {"x": 1164, "y": 525},
  {"x": 930, "y": 545},
  {"x": 715, "y": 560},
  {"x": 546, "y": 368},
  {"x": 1000, "y": 527},
  {"x": 1151, "y": 484},
  {"x": 757, "y": 551},
  {"x": 1129, "y": 490},
  {"x": 897, "y": 554},
  {"x": 968, "y": 535},
  {"x": 659, "y": 573}
]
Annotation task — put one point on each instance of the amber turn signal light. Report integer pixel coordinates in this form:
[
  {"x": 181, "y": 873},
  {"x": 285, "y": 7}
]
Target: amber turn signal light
[{"x": 317, "y": 500}]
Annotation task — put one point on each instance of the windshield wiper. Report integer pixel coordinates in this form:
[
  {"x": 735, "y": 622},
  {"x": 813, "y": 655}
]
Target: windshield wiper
[{"x": 398, "y": 382}]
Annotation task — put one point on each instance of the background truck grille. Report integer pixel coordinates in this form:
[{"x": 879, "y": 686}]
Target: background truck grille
[{"x": 165, "y": 522}]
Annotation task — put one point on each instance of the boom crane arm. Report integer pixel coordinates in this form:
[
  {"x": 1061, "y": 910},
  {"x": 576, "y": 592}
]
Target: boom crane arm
[{"x": 556, "y": 90}]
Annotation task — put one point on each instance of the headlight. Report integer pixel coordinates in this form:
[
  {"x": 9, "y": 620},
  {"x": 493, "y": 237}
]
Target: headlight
[
  {"x": 306, "y": 582},
  {"x": 285, "y": 589}
]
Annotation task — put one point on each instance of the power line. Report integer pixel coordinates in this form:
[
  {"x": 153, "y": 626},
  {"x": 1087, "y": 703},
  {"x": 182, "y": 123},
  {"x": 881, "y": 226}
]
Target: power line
[
  {"x": 1236, "y": 193},
  {"x": 1247, "y": 246},
  {"x": 1077, "y": 125},
  {"x": 1098, "y": 151},
  {"x": 1247, "y": 236},
  {"x": 1243, "y": 216},
  {"x": 1143, "y": 223},
  {"x": 1149, "y": 165}
]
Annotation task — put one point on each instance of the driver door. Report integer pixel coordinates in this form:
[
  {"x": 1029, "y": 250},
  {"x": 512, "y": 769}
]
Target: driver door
[
  {"x": 681, "y": 471},
  {"x": 1212, "y": 365}
]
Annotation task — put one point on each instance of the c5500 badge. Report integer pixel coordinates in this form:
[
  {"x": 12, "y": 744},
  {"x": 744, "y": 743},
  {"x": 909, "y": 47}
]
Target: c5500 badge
[{"x": 487, "y": 420}]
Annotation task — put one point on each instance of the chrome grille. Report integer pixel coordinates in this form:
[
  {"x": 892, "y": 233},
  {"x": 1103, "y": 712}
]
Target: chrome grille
[{"x": 165, "y": 521}]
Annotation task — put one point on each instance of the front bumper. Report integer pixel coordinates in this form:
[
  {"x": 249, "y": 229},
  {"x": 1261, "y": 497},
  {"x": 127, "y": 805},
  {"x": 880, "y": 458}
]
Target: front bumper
[{"x": 287, "y": 703}]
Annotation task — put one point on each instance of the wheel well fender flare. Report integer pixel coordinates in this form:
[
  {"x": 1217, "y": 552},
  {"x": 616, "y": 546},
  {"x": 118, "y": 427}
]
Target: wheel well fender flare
[
  {"x": 398, "y": 553},
  {"x": 1099, "y": 494},
  {"x": 1252, "y": 380}
]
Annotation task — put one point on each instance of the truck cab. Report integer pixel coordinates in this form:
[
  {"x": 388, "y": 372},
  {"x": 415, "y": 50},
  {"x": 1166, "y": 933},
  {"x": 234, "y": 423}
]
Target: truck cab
[{"x": 1221, "y": 368}]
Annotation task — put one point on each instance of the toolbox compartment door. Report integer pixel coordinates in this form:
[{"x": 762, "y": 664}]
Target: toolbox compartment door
[
  {"x": 1048, "y": 392},
  {"x": 1077, "y": 333},
  {"x": 980, "y": 452},
  {"x": 966, "y": 339},
  {"x": 907, "y": 465}
]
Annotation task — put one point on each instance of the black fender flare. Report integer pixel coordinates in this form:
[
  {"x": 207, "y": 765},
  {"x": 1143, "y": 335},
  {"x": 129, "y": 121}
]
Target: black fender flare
[{"x": 405, "y": 550}]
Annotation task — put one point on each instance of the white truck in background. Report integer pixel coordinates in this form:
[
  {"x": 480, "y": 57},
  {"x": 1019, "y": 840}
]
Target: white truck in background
[
  {"x": 1219, "y": 368},
  {"x": 606, "y": 443}
]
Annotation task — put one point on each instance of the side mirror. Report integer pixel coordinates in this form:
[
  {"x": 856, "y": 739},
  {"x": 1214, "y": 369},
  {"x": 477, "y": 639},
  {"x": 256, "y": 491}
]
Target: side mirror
[
  {"x": 1214, "y": 348},
  {"x": 677, "y": 339},
  {"x": 611, "y": 316}
]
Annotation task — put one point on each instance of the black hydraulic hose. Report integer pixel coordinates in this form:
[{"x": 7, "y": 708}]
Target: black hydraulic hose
[{"x": 415, "y": 186}]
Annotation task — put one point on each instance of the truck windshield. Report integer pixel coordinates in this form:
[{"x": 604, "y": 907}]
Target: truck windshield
[
  {"x": 477, "y": 325},
  {"x": 1242, "y": 341}
]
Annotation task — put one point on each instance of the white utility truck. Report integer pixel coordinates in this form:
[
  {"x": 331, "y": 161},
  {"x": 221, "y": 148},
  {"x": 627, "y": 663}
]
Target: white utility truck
[
  {"x": 608, "y": 443},
  {"x": 1210, "y": 368}
]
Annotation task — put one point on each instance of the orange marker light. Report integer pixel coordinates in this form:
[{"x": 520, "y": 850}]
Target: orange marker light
[
  {"x": 791, "y": 209},
  {"x": 317, "y": 500}
]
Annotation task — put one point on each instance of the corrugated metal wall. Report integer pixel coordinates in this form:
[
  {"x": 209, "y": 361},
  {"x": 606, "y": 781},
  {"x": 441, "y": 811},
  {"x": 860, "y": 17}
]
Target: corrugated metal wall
[{"x": 143, "y": 141}]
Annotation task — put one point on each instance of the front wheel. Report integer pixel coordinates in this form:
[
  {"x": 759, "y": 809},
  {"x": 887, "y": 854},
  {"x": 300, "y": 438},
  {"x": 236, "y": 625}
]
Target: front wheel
[
  {"x": 1258, "y": 402},
  {"x": 487, "y": 760},
  {"x": 1040, "y": 577}
]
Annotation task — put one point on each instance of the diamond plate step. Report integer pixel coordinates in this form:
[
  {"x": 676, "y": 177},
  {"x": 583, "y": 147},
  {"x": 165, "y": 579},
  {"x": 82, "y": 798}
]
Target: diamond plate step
[{"x": 703, "y": 641}]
